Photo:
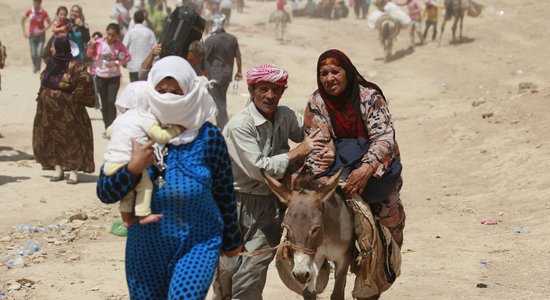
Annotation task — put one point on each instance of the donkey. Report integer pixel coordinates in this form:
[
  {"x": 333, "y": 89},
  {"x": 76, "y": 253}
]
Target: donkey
[
  {"x": 388, "y": 29},
  {"x": 454, "y": 9},
  {"x": 280, "y": 18},
  {"x": 319, "y": 228}
]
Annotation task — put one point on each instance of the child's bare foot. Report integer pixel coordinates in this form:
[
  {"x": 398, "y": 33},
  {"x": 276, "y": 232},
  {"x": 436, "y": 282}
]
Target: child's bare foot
[
  {"x": 152, "y": 218},
  {"x": 128, "y": 219}
]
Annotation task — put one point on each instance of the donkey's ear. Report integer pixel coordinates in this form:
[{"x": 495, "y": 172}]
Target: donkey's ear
[
  {"x": 281, "y": 190},
  {"x": 329, "y": 186}
]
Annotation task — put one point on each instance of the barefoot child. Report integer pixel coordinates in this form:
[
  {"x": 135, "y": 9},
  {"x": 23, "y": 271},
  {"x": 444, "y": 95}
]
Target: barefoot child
[
  {"x": 135, "y": 124},
  {"x": 61, "y": 25}
]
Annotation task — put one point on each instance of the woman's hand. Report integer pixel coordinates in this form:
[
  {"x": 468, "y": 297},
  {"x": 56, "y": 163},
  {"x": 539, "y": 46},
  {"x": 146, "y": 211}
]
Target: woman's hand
[
  {"x": 233, "y": 252},
  {"x": 142, "y": 157},
  {"x": 78, "y": 22},
  {"x": 358, "y": 179}
]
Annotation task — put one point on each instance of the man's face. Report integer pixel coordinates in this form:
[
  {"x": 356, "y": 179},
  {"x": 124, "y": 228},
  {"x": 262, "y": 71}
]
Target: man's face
[
  {"x": 266, "y": 96},
  {"x": 36, "y": 4},
  {"x": 193, "y": 59}
]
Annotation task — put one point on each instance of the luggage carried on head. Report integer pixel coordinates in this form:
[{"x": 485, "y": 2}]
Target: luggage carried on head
[{"x": 183, "y": 26}]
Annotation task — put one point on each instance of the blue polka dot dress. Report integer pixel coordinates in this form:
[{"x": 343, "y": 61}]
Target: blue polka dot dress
[{"x": 176, "y": 258}]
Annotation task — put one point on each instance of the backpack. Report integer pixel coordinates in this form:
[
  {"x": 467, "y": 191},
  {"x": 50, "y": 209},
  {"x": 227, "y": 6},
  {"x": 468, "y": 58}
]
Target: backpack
[{"x": 3, "y": 55}]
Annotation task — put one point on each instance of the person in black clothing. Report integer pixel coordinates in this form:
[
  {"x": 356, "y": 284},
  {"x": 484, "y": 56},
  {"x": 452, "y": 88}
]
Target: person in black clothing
[{"x": 221, "y": 49}]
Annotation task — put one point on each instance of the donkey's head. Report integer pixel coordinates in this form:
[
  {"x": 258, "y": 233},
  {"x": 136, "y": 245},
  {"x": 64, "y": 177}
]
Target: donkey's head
[{"x": 303, "y": 219}]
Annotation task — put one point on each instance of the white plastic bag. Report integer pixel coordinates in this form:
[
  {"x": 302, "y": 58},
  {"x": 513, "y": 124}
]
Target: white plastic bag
[
  {"x": 373, "y": 18},
  {"x": 397, "y": 13}
]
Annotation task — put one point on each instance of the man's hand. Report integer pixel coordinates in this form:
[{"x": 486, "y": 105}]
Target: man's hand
[
  {"x": 310, "y": 143},
  {"x": 358, "y": 179},
  {"x": 157, "y": 50},
  {"x": 238, "y": 76},
  {"x": 142, "y": 157},
  {"x": 323, "y": 160},
  {"x": 313, "y": 142}
]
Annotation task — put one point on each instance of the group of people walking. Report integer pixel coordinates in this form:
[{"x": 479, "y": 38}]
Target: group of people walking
[
  {"x": 212, "y": 196},
  {"x": 193, "y": 193},
  {"x": 102, "y": 56}
]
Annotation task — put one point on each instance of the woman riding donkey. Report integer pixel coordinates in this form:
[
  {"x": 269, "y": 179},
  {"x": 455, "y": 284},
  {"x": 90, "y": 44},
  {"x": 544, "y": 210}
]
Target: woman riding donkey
[{"x": 355, "y": 115}]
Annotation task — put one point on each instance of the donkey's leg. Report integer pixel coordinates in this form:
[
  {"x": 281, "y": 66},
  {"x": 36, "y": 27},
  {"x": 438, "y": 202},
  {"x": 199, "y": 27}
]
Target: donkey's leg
[
  {"x": 455, "y": 25},
  {"x": 340, "y": 276},
  {"x": 461, "y": 22},
  {"x": 442, "y": 30}
]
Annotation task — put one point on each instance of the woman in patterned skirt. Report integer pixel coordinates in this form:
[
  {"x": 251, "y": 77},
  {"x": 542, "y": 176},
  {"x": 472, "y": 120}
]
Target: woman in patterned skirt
[{"x": 62, "y": 131}]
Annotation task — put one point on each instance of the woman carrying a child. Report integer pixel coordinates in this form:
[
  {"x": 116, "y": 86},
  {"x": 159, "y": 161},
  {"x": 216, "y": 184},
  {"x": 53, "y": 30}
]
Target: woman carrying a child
[
  {"x": 135, "y": 124},
  {"x": 79, "y": 31},
  {"x": 176, "y": 257}
]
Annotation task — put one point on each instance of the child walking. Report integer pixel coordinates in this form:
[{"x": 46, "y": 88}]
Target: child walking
[
  {"x": 430, "y": 13},
  {"x": 135, "y": 124}
]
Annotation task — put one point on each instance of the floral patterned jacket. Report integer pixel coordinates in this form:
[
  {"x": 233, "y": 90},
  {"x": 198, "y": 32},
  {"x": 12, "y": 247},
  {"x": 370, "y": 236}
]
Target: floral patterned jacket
[{"x": 383, "y": 148}]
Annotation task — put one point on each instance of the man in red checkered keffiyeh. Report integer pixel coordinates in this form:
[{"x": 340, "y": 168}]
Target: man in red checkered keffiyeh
[{"x": 267, "y": 73}]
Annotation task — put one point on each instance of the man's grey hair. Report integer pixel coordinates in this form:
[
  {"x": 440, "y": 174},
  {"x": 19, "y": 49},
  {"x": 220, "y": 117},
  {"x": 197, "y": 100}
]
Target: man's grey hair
[{"x": 197, "y": 48}]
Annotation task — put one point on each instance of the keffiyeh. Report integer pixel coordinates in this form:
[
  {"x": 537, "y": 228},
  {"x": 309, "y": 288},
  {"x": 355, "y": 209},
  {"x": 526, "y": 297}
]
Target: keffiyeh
[{"x": 267, "y": 73}]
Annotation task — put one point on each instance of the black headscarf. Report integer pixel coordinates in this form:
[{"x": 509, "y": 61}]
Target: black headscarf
[
  {"x": 350, "y": 96},
  {"x": 58, "y": 63}
]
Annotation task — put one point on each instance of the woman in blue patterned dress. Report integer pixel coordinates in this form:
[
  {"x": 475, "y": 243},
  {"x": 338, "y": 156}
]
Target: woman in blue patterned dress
[{"x": 176, "y": 258}]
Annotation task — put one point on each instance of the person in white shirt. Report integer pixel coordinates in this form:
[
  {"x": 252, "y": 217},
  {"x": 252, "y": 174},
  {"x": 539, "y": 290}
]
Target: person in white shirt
[
  {"x": 121, "y": 15},
  {"x": 139, "y": 40}
]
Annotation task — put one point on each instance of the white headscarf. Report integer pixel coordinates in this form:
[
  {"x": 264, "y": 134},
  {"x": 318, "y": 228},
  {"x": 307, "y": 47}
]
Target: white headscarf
[
  {"x": 218, "y": 22},
  {"x": 134, "y": 96},
  {"x": 190, "y": 110}
]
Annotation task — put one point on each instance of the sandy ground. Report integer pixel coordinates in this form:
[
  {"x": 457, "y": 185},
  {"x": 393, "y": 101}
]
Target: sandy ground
[{"x": 474, "y": 146}]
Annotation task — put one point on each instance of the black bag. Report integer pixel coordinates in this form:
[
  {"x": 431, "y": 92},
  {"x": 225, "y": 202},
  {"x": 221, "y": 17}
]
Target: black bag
[{"x": 182, "y": 27}]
